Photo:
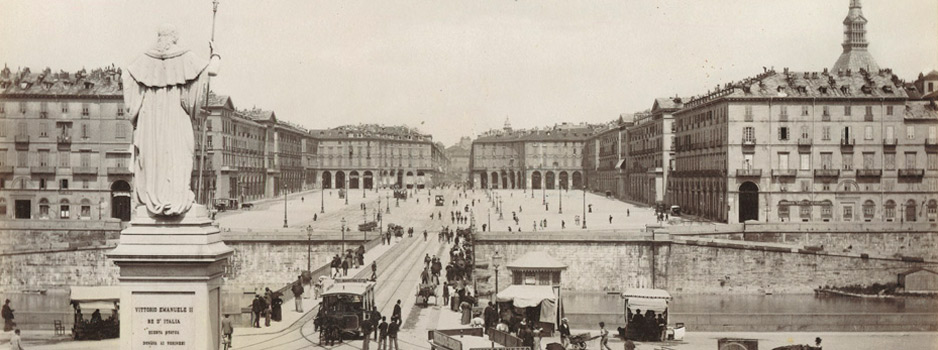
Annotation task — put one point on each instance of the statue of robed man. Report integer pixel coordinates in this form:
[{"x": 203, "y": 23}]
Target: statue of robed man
[{"x": 161, "y": 91}]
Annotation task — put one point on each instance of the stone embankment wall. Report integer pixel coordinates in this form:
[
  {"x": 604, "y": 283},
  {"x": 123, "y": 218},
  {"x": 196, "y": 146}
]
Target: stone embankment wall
[
  {"x": 42, "y": 255},
  {"x": 886, "y": 239},
  {"x": 693, "y": 265}
]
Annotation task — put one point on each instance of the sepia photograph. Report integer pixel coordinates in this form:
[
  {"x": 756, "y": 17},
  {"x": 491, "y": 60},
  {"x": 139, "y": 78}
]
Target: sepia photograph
[{"x": 469, "y": 175}]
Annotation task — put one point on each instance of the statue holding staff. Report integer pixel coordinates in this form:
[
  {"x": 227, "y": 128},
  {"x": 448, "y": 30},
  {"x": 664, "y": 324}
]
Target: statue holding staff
[{"x": 162, "y": 88}]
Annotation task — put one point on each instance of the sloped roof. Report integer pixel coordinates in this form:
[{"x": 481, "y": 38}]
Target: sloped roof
[
  {"x": 921, "y": 110},
  {"x": 100, "y": 82},
  {"x": 931, "y": 75},
  {"x": 536, "y": 260}
]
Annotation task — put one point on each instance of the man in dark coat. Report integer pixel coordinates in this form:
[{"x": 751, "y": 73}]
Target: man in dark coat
[
  {"x": 383, "y": 334},
  {"x": 396, "y": 315},
  {"x": 298, "y": 290},
  {"x": 258, "y": 307},
  {"x": 489, "y": 316},
  {"x": 393, "y": 327}
]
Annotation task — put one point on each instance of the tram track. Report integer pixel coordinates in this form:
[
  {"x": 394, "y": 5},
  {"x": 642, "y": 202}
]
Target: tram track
[{"x": 393, "y": 272}]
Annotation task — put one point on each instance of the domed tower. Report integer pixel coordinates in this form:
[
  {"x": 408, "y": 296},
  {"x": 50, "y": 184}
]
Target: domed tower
[{"x": 855, "y": 56}]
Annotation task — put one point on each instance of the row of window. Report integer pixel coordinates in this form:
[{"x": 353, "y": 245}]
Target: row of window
[
  {"x": 847, "y": 161},
  {"x": 825, "y": 111},
  {"x": 911, "y": 211},
  {"x": 846, "y": 133},
  {"x": 44, "y": 158},
  {"x": 122, "y": 130},
  {"x": 63, "y": 107}
]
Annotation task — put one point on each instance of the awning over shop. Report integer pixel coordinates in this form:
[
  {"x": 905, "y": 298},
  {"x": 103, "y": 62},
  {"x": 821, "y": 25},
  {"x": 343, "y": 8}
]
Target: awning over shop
[
  {"x": 620, "y": 164},
  {"x": 90, "y": 298},
  {"x": 526, "y": 296},
  {"x": 647, "y": 299}
]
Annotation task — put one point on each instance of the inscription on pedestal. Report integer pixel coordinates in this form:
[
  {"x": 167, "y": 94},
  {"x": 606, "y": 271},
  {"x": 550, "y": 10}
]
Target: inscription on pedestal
[{"x": 163, "y": 320}]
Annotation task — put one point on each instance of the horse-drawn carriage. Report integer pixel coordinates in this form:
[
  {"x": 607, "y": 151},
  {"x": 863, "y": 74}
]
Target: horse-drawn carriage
[
  {"x": 400, "y": 194},
  {"x": 396, "y": 230},
  {"x": 425, "y": 291}
]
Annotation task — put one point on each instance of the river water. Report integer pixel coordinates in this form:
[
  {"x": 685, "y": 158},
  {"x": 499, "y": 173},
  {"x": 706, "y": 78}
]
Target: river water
[{"x": 601, "y": 303}]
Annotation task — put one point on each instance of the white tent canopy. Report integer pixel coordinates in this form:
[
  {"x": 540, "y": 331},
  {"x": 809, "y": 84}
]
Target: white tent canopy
[
  {"x": 526, "y": 296},
  {"x": 91, "y": 298},
  {"x": 646, "y": 299}
]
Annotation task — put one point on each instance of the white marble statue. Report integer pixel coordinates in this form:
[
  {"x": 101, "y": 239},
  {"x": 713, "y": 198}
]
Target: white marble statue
[{"x": 162, "y": 89}]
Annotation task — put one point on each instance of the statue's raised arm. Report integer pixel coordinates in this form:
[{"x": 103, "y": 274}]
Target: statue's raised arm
[{"x": 162, "y": 90}]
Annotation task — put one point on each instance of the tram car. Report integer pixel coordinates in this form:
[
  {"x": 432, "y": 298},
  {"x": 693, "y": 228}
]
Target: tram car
[{"x": 347, "y": 304}]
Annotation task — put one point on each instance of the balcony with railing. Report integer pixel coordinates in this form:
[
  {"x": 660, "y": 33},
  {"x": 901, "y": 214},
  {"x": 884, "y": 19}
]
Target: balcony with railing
[
  {"x": 119, "y": 170},
  {"x": 847, "y": 142},
  {"x": 784, "y": 172},
  {"x": 43, "y": 170},
  {"x": 21, "y": 139},
  {"x": 931, "y": 142},
  {"x": 6, "y": 169},
  {"x": 749, "y": 142},
  {"x": 826, "y": 172},
  {"x": 911, "y": 172},
  {"x": 869, "y": 172},
  {"x": 84, "y": 170},
  {"x": 64, "y": 139},
  {"x": 890, "y": 142},
  {"x": 748, "y": 172}
]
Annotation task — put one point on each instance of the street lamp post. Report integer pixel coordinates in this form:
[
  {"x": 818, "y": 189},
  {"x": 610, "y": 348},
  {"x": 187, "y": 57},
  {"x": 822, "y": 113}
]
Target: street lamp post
[
  {"x": 388, "y": 203},
  {"x": 584, "y": 207},
  {"x": 343, "y": 234},
  {"x": 490, "y": 219},
  {"x": 346, "y": 190},
  {"x": 309, "y": 248},
  {"x": 322, "y": 203},
  {"x": 284, "y": 206},
  {"x": 496, "y": 262},
  {"x": 560, "y": 196},
  {"x": 544, "y": 193}
]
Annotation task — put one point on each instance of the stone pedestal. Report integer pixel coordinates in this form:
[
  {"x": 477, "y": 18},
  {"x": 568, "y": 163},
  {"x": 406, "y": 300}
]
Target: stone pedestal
[{"x": 171, "y": 275}]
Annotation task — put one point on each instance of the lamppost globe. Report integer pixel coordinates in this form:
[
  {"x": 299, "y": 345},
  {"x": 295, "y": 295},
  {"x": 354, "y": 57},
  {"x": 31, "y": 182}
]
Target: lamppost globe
[{"x": 496, "y": 262}]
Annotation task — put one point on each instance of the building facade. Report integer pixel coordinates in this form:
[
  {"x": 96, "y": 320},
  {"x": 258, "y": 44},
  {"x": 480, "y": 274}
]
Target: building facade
[
  {"x": 651, "y": 147},
  {"x": 65, "y": 143},
  {"x": 604, "y": 160},
  {"x": 530, "y": 159},
  {"x": 458, "y": 156},
  {"x": 375, "y": 156},
  {"x": 841, "y": 145}
]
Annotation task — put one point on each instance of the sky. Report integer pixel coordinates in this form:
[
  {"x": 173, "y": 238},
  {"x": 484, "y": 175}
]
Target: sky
[{"x": 459, "y": 68}]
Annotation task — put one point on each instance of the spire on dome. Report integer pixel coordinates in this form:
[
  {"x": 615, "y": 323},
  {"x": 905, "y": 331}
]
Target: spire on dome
[
  {"x": 855, "y": 55},
  {"x": 507, "y": 126}
]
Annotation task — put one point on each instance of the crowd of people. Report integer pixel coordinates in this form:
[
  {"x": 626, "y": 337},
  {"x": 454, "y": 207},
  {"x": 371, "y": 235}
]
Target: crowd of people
[
  {"x": 649, "y": 326},
  {"x": 267, "y": 307}
]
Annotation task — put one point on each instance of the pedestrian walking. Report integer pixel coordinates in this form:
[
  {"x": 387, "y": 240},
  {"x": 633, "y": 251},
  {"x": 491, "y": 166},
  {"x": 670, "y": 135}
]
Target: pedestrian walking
[
  {"x": 393, "y": 327},
  {"x": 610, "y": 219},
  {"x": 627, "y": 213},
  {"x": 226, "y": 329},
  {"x": 383, "y": 334},
  {"x": 563, "y": 224},
  {"x": 537, "y": 337},
  {"x": 366, "y": 334},
  {"x": 445, "y": 294},
  {"x": 298, "y": 290},
  {"x": 7, "y": 312},
  {"x": 374, "y": 270},
  {"x": 396, "y": 314},
  {"x": 16, "y": 343},
  {"x": 603, "y": 337},
  {"x": 564, "y": 332},
  {"x": 257, "y": 308}
]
